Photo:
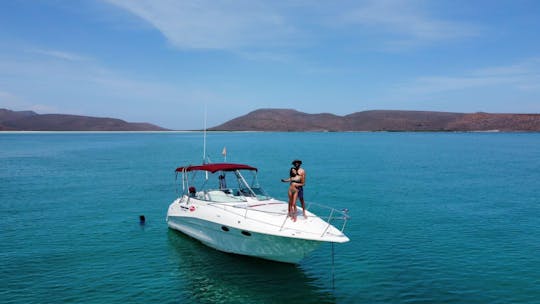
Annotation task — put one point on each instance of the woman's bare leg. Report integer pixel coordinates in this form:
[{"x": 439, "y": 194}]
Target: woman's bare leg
[
  {"x": 293, "y": 203},
  {"x": 290, "y": 192}
]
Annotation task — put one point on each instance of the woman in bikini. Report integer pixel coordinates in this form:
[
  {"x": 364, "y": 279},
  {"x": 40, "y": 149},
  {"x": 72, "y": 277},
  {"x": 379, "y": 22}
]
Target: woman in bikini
[{"x": 295, "y": 181}]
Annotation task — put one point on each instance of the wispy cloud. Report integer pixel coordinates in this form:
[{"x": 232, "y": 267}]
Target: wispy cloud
[
  {"x": 59, "y": 55},
  {"x": 92, "y": 88},
  {"x": 211, "y": 24},
  {"x": 244, "y": 24},
  {"x": 524, "y": 75},
  {"x": 267, "y": 56},
  {"x": 14, "y": 102},
  {"x": 8, "y": 99},
  {"x": 399, "y": 23}
]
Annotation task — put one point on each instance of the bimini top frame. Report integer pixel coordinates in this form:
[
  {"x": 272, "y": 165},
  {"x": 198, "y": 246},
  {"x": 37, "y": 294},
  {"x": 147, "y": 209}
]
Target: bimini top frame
[{"x": 216, "y": 167}]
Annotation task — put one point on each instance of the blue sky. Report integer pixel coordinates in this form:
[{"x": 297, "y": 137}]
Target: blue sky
[{"x": 164, "y": 61}]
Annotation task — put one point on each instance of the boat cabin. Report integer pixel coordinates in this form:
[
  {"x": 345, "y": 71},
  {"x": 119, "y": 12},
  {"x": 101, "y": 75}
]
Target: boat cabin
[{"x": 221, "y": 182}]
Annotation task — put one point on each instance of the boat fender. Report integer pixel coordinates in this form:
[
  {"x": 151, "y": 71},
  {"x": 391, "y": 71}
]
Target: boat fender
[{"x": 192, "y": 208}]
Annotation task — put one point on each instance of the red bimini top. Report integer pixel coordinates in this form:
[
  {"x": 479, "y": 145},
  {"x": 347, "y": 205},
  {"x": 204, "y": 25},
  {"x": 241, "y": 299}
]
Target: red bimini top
[{"x": 216, "y": 167}]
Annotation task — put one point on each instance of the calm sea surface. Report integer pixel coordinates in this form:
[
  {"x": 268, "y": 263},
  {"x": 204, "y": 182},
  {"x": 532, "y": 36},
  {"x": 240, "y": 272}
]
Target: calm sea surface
[{"x": 435, "y": 218}]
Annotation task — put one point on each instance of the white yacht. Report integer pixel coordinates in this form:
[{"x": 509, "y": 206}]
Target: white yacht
[{"x": 220, "y": 208}]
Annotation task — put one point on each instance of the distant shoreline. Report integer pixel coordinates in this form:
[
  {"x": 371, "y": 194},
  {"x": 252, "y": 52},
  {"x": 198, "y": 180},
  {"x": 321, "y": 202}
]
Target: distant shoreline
[
  {"x": 201, "y": 131},
  {"x": 92, "y": 132}
]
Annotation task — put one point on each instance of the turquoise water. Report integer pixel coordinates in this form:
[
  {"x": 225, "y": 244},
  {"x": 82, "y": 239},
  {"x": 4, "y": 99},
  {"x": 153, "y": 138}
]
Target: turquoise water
[{"x": 436, "y": 218}]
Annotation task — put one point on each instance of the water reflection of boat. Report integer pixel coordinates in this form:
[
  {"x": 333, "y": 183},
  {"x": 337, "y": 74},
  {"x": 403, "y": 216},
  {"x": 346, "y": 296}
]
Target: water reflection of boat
[
  {"x": 228, "y": 213},
  {"x": 209, "y": 276}
]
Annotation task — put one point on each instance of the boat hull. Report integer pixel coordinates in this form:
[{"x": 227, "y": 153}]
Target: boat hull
[{"x": 244, "y": 242}]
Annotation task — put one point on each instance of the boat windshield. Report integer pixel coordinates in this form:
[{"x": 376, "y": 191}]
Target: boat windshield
[
  {"x": 252, "y": 189},
  {"x": 229, "y": 182},
  {"x": 260, "y": 193}
]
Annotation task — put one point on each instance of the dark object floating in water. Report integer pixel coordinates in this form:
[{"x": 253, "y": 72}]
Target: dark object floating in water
[{"x": 142, "y": 219}]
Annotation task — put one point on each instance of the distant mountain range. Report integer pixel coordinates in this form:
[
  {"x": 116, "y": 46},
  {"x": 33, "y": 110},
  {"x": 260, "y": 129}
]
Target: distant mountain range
[
  {"x": 31, "y": 121},
  {"x": 380, "y": 120},
  {"x": 288, "y": 120}
]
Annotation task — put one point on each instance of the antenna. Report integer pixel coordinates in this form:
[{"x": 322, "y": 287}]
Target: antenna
[
  {"x": 204, "y": 142},
  {"x": 204, "y": 137}
]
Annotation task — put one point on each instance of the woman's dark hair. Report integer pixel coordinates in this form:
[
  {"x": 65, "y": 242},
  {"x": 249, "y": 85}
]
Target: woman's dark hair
[{"x": 292, "y": 172}]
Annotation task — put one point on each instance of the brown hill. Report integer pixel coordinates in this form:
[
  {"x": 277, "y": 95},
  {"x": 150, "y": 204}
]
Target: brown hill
[
  {"x": 31, "y": 121},
  {"x": 380, "y": 120},
  {"x": 400, "y": 120},
  {"x": 283, "y": 120},
  {"x": 501, "y": 122}
]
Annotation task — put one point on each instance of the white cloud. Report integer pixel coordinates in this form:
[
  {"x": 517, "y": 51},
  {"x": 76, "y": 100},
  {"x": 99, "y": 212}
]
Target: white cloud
[
  {"x": 8, "y": 100},
  {"x": 524, "y": 75},
  {"x": 14, "y": 102},
  {"x": 253, "y": 24},
  {"x": 528, "y": 67},
  {"x": 405, "y": 23},
  {"x": 211, "y": 24},
  {"x": 59, "y": 55},
  {"x": 90, "y": 88}
]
